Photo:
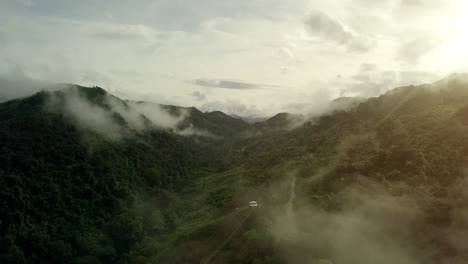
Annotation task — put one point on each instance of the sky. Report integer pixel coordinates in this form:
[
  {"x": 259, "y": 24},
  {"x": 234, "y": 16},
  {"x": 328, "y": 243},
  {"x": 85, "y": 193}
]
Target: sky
[{"x": 244, "y": 57}]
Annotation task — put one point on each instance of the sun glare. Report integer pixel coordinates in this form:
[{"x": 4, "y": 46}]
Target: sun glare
[{"x": 453, "y": 53}]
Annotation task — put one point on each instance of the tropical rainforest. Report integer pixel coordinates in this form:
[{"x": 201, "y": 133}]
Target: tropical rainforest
[{"x": 87, "y": 177}]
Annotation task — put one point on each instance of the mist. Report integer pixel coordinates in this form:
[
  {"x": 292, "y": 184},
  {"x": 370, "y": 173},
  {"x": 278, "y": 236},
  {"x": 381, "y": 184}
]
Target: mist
[
  {"x": 89, "y": 117},
  {"x": 137, "y": 114},
  {"x": 311, "y": 113},
  {"x": 370, "y": 227},
  {"x": 361, "y": 219},
  {"x": 115, "y": 119},
  {"x": 17, "y": 85},
  {"x": 225, "y": 132},
  {"x": 369, "y": 224}
]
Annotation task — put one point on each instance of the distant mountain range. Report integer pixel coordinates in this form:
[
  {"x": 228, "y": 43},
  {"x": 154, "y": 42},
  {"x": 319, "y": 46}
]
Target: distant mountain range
[
  {"x": 86, "y": 177},
  {"x": 250, "y": 119}
]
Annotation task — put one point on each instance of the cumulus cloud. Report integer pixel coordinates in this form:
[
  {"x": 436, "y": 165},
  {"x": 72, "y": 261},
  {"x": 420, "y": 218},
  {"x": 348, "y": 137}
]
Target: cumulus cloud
[{"x": 321, "y": 25}]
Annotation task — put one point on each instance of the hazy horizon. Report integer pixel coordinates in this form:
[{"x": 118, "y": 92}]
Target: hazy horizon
[{"x": 246, "y": 58}]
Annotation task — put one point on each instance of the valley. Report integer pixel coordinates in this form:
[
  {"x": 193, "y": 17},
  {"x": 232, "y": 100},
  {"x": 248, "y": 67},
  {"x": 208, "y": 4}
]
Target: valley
[{"x": 87, "y": 177}]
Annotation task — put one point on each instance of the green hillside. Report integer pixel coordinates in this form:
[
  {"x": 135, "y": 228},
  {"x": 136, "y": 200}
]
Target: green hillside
[{"x": 89, "y": 178}]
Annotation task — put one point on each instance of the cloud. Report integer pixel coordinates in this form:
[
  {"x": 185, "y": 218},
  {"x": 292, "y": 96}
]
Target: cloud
[
  {"x": 364, "y": 221},
  {"x": 373, "y": 3},
  {"x": 233, "y": 107},
  {"x": 128, "y": 32},
  {"x": 366, "y": 85},
  {"x": 90, "y": 117},
  {"x": 199, "y": 96},
  {"x": 417, "y": 77},
  {"x": 370, "y": 227},
  {"x": 317, "y": 103},
  {"x": 193, "y": 131},
  {"x": 73, "y": 42},
  {"x": 114, "y": 119},
  {"x": 368, "y": 81},
  {"x": 16, "y": 84},
  {"x": 89, "y": 76},
  {"x": 366, "y": 67},
  {"x": 285, "y": 54},
  {"x": 27, "y": 3},
  {"x": 429, "y": 4},
  {"x": 321, "y": 25},
  {"x": 414, "y": 50},
  {"x": 137, "y": 114},
  {"x": 227, "y": 84}
]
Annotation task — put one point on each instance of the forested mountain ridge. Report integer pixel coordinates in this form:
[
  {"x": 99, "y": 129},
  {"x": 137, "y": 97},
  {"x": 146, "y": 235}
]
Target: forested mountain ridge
[{"x": 88, "y": 178}]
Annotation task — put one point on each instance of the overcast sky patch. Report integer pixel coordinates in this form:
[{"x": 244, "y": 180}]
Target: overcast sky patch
[
  {"x": 323, "y": 26},
  {"x": 147, "y": 50}
]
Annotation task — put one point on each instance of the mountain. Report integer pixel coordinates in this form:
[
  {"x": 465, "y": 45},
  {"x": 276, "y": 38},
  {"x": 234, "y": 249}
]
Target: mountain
[
  {"x": 64, "y": 189},
  {"x": 217, "y": 122},
  {"x": 87, "y": 177},
  {"x": 250, "y": 119},
  {"x": 343, "y": 103},
  {"x": 281, "y": 121}
]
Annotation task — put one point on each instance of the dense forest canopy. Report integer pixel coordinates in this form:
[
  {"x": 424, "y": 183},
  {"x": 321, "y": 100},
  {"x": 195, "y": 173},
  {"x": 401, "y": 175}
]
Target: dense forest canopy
[{"x": 86, "y": 177}]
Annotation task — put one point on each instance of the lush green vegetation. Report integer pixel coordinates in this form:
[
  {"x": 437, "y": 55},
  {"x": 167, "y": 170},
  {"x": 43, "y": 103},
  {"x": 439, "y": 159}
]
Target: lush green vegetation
[
  {"x": 67, "y": 198},
  {"x": 70, "y": 195}
]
